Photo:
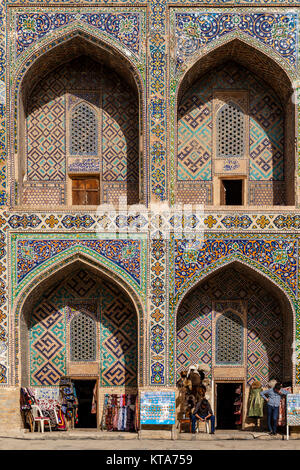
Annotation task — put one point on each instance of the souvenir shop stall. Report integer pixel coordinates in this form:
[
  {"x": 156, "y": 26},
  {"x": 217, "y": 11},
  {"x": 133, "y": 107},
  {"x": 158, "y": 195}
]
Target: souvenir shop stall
[
  {"x": 59, "y": 404},
  {"x": 120, "y": 413},
  {"x": 69, "y": 402},
  {"x": 256, "y": 405},
  {"x": 193, "y": 385}
]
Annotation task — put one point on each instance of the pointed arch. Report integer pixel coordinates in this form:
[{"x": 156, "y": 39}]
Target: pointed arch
[
  {"x": 266, "y": 65},
  {"x": 51, "y": 278},
  {"x": 288, "y": 309},
  {"x": 251, "y": 54},
  {"x": 57, "y": 49}
]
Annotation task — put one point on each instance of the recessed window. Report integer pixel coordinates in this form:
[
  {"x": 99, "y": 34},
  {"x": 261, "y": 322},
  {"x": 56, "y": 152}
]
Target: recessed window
[
  {"x": 230, "y": 128},
  {"x": 229, "y": 339},
  {"x": 85, "y": 191},
  {"x": 83, "y": 132},
  {"x": 232, "y": 192},
  {"x": 83, "y": 338}
]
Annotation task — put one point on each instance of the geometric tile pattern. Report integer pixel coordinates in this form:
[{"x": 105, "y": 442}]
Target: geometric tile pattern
[
  {"x": 229, "y": 339},
  {"x": 195, "y": 134},
  {"x": 117, "y": 112},
  {"x": 266, "y": 135},
  {"x": 118, "y": 333},
  {"x": 199, "y": 192},
  {"x": 264, "y": 325},
  {"x": 46, "y": 140},
  {"x": 119, "y": 133},
  {"x": 84, "y": 131},
  {"x": 35, "y": 193},
  {"x": 195, "y": 126},
  {"x": 230, "y": 131},
  {"x": 265, "y": 338},
  {"x": 83, "y": 337},
  {"x": 194, "y": 338},
  {"x": 263, "y": 193},
  {"x": 118, "y": 339}
]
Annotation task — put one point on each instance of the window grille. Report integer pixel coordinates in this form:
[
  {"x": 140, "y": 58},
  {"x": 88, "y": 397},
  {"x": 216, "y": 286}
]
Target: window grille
[
  {"x": 83, "y": 338},
  {"x": 229, "y": 339},
  {"x": 230, "y": 131},
  {"x": 83, "y": 132}
]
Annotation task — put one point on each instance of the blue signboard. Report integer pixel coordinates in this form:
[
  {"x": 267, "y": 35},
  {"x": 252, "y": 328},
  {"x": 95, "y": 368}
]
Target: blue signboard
[
  {"x": 157, "y": 408},
  {"x": 293, "y": 409}
]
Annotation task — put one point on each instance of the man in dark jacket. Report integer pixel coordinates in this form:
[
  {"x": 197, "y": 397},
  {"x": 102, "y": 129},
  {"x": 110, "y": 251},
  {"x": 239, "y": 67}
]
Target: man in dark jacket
[{"x": 203, "y": 412}]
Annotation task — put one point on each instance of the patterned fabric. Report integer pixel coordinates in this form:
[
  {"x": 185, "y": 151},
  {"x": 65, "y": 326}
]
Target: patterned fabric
[{"x": 119, "y": 412}]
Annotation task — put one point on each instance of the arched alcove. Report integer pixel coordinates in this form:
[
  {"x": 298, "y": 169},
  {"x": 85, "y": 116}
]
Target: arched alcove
[
  {"x": 78, "y": 68},
  {"x": 267, "y": 316},
  {"x": 239, "y": 74},
  {"x": 79, "y": 290}
]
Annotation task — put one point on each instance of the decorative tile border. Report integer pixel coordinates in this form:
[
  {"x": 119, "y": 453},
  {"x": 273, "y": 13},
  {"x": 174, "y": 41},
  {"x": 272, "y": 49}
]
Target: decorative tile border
[
  {"x": 125, "y": 27},
  {"x": 32, "y": 254},
  {"x": 157, "y": 99},
  {"x": 196, "y": 30},
  {"x": 158, "y": 307}
]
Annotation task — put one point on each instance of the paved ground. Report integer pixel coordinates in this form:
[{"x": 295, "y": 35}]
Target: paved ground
[
  {"x": 85, "y": 441},
  {"x": 153, "y": 445}
]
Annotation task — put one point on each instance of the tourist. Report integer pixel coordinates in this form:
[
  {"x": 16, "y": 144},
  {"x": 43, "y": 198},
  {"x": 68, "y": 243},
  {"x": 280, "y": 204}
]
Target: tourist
[
  {"x": 273, "y": 396},
  {"x": 203, "y": 412}
]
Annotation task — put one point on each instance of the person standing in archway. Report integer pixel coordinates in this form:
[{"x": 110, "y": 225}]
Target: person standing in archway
[{"x": 273, "y": 396}]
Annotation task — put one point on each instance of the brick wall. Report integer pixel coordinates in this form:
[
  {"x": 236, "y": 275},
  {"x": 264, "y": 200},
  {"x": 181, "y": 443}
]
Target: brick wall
[{"x": 10, "y": 418}]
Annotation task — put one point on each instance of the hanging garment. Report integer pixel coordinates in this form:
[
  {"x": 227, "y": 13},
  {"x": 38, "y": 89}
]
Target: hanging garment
[
  {"x": 94, "y": 401},
  {"x": 238, "y": 405},
  {"x": 256, "y": 403},
  {"x": 119, "y": 412},
  {"x": 282, "y": 408},
  {"x": 61, "y": 420}
]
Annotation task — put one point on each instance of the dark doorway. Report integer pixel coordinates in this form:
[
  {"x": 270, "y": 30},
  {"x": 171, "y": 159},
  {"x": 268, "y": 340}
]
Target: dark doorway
[
  {"x": 84, "y": 391},
  {"x": 226, "y": 399},
  {"x": 232, "y": 192}
]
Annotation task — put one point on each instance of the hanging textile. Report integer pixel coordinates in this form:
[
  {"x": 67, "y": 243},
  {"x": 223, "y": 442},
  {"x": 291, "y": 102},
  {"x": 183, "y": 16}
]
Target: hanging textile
[
  {"x": 256, "y": 401},
  {"x": 47, "y": 398},
  {"x": 69, "y": 400},
  {"x": 282, "y": 408},
  {"x": 94, "y": 401},
  {"x": 119, "y": 412},
  {"x": 238, "y": 405}
]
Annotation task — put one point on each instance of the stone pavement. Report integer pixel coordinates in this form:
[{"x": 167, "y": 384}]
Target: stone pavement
[
  {"x": 115, "y": 445},
  {"x": 163, "y": 439}
]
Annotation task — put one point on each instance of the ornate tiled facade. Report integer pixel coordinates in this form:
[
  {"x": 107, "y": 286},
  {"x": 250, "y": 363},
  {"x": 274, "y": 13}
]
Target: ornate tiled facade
[
  {"x": 149, "y": 78},
  {"x": 49, "y": 355}
]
